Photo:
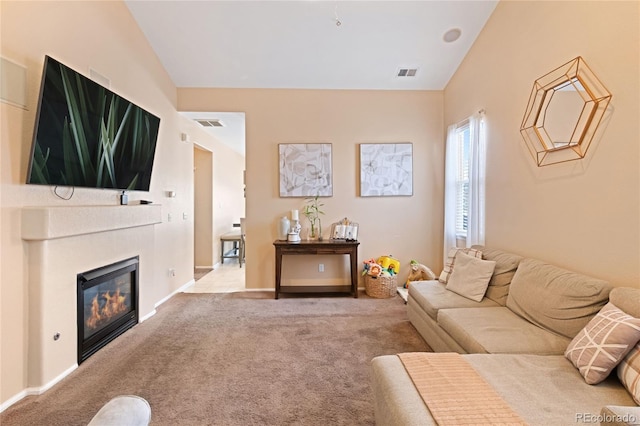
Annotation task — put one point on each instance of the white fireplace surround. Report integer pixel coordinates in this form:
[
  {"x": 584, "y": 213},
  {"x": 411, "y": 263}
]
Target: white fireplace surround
[{"x": 65, "y": 241}]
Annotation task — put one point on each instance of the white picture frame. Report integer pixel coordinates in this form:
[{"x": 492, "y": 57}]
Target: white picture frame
[
  {"x": 386, "y": 169},
  {"x": 305, "y": 170}
]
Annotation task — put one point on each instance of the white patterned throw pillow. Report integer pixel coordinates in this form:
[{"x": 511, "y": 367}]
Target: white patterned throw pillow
[
  {"x": 603, "y": 342},
  {"x": 451, "y": 260}
]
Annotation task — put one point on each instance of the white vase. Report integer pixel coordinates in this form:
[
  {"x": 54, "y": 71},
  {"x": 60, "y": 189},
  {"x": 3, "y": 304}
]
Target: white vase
[{"x": 283, "y": 228}]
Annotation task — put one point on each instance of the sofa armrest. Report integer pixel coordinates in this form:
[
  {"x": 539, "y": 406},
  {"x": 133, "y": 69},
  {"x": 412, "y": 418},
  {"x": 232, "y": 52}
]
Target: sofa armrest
[
  {"x": 396, "y": 399},
  {"x": 618, "y": 415}
]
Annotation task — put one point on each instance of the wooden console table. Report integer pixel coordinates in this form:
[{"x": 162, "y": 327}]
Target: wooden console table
[{"x": 322, "y": 248}]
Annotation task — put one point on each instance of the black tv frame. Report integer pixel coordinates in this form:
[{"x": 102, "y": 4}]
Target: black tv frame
[{"x": 86, "y": 135}]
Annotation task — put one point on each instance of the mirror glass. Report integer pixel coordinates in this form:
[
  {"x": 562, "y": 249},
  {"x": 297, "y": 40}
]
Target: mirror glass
[{"x": 566, "y": 104}]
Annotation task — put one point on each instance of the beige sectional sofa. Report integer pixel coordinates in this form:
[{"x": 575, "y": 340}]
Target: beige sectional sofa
[
  {"x": 515, "y": 338},
  {"x": 530, "y": 307}
]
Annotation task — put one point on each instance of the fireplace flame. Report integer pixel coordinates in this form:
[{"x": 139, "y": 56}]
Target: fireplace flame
[{"x": 113, "y": 305}]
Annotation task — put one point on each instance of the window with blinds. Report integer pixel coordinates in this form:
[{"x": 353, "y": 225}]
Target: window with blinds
[{"x": 462, "y": 179}]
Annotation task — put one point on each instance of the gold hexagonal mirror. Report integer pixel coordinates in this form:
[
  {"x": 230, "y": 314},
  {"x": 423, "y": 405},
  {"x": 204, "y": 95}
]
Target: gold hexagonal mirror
[{"x": 564, "y": 111}]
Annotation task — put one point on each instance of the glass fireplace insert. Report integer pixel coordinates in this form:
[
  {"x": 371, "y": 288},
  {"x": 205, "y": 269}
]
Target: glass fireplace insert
[{"x": 107, "y": 305}]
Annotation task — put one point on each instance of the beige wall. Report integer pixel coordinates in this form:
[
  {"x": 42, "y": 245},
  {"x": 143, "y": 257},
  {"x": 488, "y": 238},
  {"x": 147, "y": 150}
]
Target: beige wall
[
  {"x": 583, "y": 215},
  {"x": 406, "y": 227},
  {"x": 102, "y": 36},
  {"x": 203, "y": 207}
]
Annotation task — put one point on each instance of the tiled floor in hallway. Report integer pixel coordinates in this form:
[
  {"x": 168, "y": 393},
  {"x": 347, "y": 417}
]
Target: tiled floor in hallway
[{"x": 226, "y": 278}]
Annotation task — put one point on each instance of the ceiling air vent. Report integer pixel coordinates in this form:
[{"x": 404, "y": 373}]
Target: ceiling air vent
[
  {"x": 210, "y": 122},
  {"x": 407, "y": 72}
]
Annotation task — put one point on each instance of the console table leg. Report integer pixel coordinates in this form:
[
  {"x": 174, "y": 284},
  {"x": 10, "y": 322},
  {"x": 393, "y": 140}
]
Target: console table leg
[
  {"x": 278, "y": 271},
  {"x": 353, "y": 256}
]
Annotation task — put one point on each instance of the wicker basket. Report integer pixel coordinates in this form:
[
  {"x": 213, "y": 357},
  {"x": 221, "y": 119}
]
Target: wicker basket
[{"x": 380, "y": 287}]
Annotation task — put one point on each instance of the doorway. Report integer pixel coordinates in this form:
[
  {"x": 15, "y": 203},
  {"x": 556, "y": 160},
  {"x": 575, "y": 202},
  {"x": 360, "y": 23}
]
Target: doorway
[{"x": 219, "y": 184}]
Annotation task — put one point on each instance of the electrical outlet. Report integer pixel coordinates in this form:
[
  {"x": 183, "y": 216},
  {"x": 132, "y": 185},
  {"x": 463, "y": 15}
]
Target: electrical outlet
[
  {"x": 320, "y": 267},
  {"x": 169, "y": 217},
  {"x": 185, "y": 216},
  {"x": 172, "y": 272}
]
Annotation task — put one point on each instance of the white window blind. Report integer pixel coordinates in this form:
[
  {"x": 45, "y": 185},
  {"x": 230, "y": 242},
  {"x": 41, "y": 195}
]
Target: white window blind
[
  {"x": 462, "y": 179},
  {"x": 465, "y": 164}
]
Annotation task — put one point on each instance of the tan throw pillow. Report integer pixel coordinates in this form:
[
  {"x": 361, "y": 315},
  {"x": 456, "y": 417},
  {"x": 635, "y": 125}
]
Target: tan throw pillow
[
  {"x": 629, "y": 373},
  {"x": 470, "y": 278},
  {"x": 451, "y": 259},
  {"x": 603, "y": 342}
]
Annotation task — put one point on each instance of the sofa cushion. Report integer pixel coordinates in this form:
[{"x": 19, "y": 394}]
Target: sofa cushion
[
  {"x": 498, "y": 330},
  {"x": 543, "y": 390},
  {"x": 629, "y": 372},
  {"x": 471, "y": 276},
  {"x": 603, "y": 342},
  {"x": 547, "y": 390},
  {"x": 396, "y": 400},
  {"x": 449, "y": 262},
  {"x": 627, "y": 299},
  {"x": 506, "y": 265},
  {"x": 554, "y": 298},
  {"x": 432, "y": 296}
]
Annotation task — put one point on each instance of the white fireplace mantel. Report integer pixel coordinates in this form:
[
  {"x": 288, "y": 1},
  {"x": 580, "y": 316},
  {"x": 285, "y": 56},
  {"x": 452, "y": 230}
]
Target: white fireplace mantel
[
  {"x": 63, "y": 241},
  {"x": 47, "y": 223}
]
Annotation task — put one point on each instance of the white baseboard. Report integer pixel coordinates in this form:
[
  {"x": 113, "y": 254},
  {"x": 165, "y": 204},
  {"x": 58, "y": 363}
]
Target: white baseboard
[
  {"x": 180, "y": 290},
  {"x": 184, "y": 287},
  {"x": 37, "y": 390},
  {"x": 40, "y": 390},
  {"x": 146, "y": 317},
  {"x": 9, "y": 402}
]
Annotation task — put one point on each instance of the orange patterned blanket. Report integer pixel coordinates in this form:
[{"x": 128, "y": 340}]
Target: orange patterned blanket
[{"x": 454, "y": 392}]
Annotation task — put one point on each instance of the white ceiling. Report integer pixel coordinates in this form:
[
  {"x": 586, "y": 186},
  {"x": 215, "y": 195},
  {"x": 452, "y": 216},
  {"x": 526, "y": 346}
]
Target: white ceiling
[{"x": 298, "y": 44}]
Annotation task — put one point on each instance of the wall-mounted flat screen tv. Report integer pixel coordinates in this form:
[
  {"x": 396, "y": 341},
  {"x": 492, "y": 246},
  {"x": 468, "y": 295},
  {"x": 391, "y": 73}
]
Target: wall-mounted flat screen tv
[{"x": 87, "y": 136}]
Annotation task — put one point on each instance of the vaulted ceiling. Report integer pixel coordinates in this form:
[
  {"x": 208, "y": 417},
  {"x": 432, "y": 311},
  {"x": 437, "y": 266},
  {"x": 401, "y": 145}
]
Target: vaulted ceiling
[
  {"x": 307, "y": 44},
  {"x": 310, "y": 44}
]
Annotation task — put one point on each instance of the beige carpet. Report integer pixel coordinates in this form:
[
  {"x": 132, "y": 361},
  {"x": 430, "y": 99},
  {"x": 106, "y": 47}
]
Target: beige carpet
[{"x": 237, "y": 359}]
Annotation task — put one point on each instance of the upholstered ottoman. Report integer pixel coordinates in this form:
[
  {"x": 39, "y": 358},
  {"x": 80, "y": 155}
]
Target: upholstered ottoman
[{"x": 127, "y": 410}]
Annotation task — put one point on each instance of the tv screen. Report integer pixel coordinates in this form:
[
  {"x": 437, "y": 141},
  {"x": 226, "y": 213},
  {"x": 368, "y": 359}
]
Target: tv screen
[{"x": 85, "y": 135}]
